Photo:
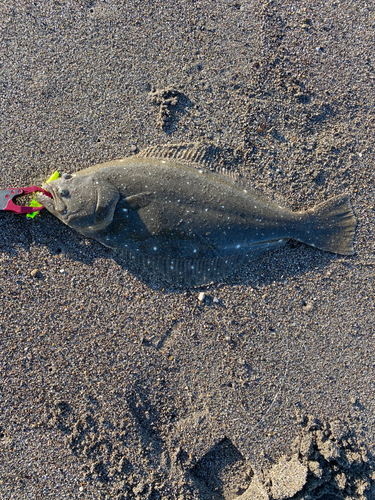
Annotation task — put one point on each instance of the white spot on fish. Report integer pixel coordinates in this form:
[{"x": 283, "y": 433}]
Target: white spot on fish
[
  {"x": 195, "y": 251},
  {"x": 245, "y": 190},
  {"x": 206, "y": 210},
  {"x": 162, "y": 161},
  {"x": 155, "y": 248},
  {"x": 280, "y": 241},
  {"x": 125, "y": 209},
  {"x": 238, "y": 246}
]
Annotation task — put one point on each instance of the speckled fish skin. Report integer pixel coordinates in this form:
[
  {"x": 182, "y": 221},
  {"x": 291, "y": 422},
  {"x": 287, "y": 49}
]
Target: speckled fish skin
[{"x": 188, "y": 224}]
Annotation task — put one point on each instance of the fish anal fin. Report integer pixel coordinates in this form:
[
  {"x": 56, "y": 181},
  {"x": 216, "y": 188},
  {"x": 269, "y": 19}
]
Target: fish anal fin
[{"x": 185, "y": 272}]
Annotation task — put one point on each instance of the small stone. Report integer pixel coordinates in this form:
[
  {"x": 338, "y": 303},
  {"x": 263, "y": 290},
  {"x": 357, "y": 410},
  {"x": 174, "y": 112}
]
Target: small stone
[
  {"x": 133, "y": 148},
  {"x": 308, "y": 307},
  {"x": 35, "y": 273},
  {"x": 202, "y": 297},
  {"x": 215, "y": 300}
]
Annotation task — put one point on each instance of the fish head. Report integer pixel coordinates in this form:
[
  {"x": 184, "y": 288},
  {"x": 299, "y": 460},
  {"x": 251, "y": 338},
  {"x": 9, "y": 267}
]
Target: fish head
[{"x": 86, "y": 203}]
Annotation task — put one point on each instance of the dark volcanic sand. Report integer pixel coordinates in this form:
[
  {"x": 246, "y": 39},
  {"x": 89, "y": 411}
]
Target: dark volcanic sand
[{"x": 115, "y": 385}]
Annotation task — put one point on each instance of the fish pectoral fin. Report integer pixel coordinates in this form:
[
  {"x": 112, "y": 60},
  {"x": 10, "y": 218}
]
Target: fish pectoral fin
[{"x": 139, "y": 200}]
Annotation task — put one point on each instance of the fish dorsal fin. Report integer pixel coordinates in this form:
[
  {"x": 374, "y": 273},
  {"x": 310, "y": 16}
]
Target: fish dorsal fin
[
  {"x": 196, "y": 154},
  {"x": 139, "y": 200}
]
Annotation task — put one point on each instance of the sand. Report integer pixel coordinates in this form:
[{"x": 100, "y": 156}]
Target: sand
[{"x": 116, "y": 385}]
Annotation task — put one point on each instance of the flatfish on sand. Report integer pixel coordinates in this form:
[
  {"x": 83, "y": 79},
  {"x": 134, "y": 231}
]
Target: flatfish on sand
[{"x": 168, "y": 210}]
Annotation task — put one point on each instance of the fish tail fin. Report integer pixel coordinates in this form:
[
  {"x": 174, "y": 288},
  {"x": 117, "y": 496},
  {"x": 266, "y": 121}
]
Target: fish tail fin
[{"x": 330, "y": 226}]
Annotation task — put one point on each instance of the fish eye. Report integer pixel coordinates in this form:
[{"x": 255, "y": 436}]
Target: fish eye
[
  {"x": 66, "y": 176},
  {"x": 63, "y": 192}
]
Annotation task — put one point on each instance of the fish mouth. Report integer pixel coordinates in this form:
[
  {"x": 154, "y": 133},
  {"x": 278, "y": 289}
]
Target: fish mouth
[{"x": 59, "y": 205}]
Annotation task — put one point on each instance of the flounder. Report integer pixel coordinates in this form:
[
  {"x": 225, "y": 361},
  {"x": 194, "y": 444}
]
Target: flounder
[{"x": 168, "y": 211}]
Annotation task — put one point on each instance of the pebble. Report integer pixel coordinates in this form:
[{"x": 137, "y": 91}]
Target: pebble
[
  {"x": 35, "y": 273},
  {"x": 201, "y": 297},
  {"x": 308, "y": 307}
]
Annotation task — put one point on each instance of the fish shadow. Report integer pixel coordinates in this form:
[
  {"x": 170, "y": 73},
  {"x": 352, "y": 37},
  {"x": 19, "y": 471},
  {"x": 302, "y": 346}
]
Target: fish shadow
[{"x": 293, "y": 260}]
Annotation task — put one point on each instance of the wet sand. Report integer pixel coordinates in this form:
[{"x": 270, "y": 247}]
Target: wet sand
[{"x": 116, "y": 385}]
